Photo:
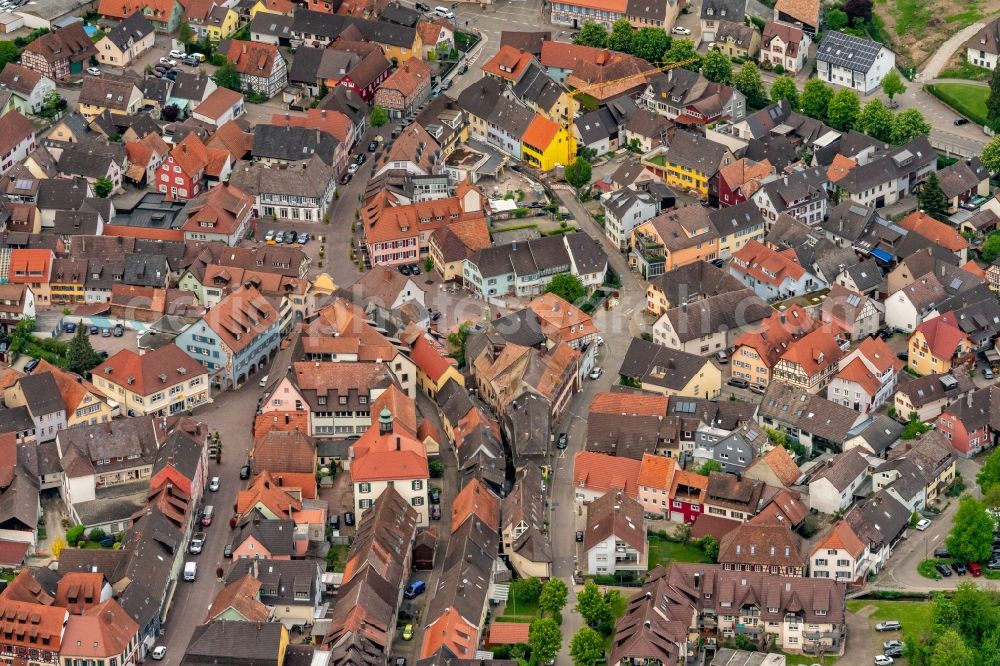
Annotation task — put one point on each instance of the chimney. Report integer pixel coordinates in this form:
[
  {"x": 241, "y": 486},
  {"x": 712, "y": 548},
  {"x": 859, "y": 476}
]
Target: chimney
[
  {"x": 385, "y": 421},
  {"x": 399, "y": 444}
]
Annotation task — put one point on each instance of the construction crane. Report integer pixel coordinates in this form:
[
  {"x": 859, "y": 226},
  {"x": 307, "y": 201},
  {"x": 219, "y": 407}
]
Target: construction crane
[{"x": 639, "y": 75}]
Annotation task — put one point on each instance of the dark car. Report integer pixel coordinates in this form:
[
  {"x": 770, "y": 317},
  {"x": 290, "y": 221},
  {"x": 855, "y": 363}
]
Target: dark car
[
  {"x": 942, "y": 553},
  {"x": 961, "y": 121},
  {"x": 463, "y": 69},
  {"x": 372, "y": 146},
  {"x": 435, "y": 512},
  {"x": 739, "y": 383},
  {"x": 245, "y": 472},
  {"x": 959, "y": 568},
  {"x": 563, "y": 441},
  {"x": 943, "y": 569},
  {"x": 227, "y": 552},
  {"x": 893, "y": 652},
  {"x": 405, "y": 270},
  {"x": 361, "y": 158},
  {"x": 346, "y": 178},
  {"x": 348, "y": 518},
  {"x": 94, "y": 330},
  {"x": 102, "y": 354},
  {"x": 717, "y": 263},
  {"x": 31, "y": 365},
  {"x": 903, "y": 356},
  {"x": 172, "y": 75},
  {"x": 422, "y": 7},
  {"x": 70, "y": 328},
  {"x": 885, "y": 334},
  {"x": 579, "y": 536},
  {"x": 118, "y": 331},
  {"x": 435, "y": 496},
  {"x": 290, "y": 237}
]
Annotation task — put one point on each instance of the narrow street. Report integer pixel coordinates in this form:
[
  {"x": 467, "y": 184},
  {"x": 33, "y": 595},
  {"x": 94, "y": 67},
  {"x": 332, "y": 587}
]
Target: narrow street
[{"x": 231, "y": 415}]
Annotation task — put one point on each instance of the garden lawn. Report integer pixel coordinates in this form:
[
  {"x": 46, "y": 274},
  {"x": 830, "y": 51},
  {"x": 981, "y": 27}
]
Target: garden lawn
[
  {"x": 915, "y": 617},
  {"x": 663, "y": 551},
  {"x": 808, "y": 660},
  {"x": 967, "y": 99},
  {"x": 523, "y": 611}
]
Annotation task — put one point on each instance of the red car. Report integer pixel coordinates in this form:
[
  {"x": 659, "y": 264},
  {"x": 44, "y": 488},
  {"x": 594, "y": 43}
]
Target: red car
[{"x": 975, "y": 570}]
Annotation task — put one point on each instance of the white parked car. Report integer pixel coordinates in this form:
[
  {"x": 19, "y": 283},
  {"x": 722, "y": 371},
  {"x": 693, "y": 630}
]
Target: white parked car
[
  {"x": 177, "y": 53},
  {"x": 596, "y": 373},
  {"x": 94, "y": 71},
  {"x": 923, "y": 524},
  {"x": 213, "y": 485},
  {"x": 352, "y": 168},
  {"x": 680, "y": 30},
  {"x": 882, "y": 660},
  {"x": 159, "y": 652},
  {"x": 168, "y": 61}
]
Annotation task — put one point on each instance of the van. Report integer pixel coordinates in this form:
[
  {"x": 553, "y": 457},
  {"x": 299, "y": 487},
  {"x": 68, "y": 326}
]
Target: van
[
  {"x": 415, "y": 589},
  {"x": 263, "y": 381},
  {"x": 444, "y": 13},
  {"x": 190, "y": 571},
  {"x": 206, "y": 515}
]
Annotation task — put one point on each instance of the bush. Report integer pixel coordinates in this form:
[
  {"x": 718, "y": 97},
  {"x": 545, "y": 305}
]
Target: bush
[
  {"x": 75, "y": 533},
  {"x": 436, "y": 468},
  {"x": 219, "y": 60},
  {"x": 778, "y": 69},
  {"x": 97, "y": 535}
]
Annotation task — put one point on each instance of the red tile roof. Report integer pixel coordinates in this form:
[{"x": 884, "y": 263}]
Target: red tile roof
[
  {"x": 431, "y": 358},
  {"x": 392, "y": 456},
  {"x": 508, "y": 633},
  {"x": 632, "y": 404},
  {"x": 27, "y": 266},
  {"x": 220, "y": 210},
  {"x": 656, "y": 472},
  {"x": 857, "y": 372},
  {"x": 942, "y": 335},
  {"x": 767, "y": 265},
  {"x": 153, "y": 371},
  {"x": 219, "y": 102},
  {"x": 840, "y": 537},
  {"x": 508, "y": 63},
  {"x": 937, "y": 232},
  {"x": 452, "y": 631},
  {"x": 240, "y": 317},
  {"x": 475, "y": 498},
  {"x": 602, "y": 473},
  {"x": 815, "y": 352}
]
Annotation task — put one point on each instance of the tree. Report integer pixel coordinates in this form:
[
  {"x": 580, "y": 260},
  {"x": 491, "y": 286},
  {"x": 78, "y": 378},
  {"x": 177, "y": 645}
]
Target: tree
[
  {"x": 526, "y": 590},
  {"x": 567, "y": 286},
  {"x": 591, "y": 34},
  {"x": 457, "y": 340},
  {"x": 932, "y": 198},
  {"x": 990, "y": 156},
  {"x": 991, "y": 499},
  {"x": 708, "y": 467},
  {"x": 22, "y": 335},
  {"x": 227, "y": 77},
  {"x": 991, "y": 247},
  {"x": 784, "y": 88},
  {"x": 971, "y": 537},
  {"x": 185, "y": 35},
  {"x": 553, "y": 596},
  {"x": 75, "y": 533},
  {"x": 747, "y": 80},
  {"x": 587, "y": 647},
  {"x": 859, "y": 9},
  {"x": 170, "y": 112},
  {"x": 591, "y": 606},
  {"x": 80, "y": 355},
  {"x": 436, "y": 468},
  {"x": 892, "y": 85},
  {"x": 950, "y": 650},
  {"x": 717, "y": 67},
  {"x": 8, "y": 53},
  {"x": 914, "y": 427},
  {"x": 989, "y": 473},
  {"x": 876, "y": 120},
  {"x": 836, "y": 19},
  {"x": 621, "y": 36},
  {"x": 682, "y": 50},
  {"x": 578, "y": 173},
  {"x": 710, "y": 546},
  {"x": 815, "y": 99},
  {"x": 379, "y": 116},
  {"x": 545, "y": 639},
  {"x": 908, "y": 125},
  {"x": 993, "y": 101},
  {"x": 97, "y": 535},
  {"x": 843, "y": 110},
  {"x": 103, "y": 187},
  {"x": 650, "y": 44},
  {"x": 52, "y": 104},
  {"x": 58, "y": 544}
]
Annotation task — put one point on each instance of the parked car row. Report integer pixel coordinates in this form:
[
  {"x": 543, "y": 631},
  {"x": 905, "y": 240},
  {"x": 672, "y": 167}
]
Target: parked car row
[{"x": 273, "y": 237}]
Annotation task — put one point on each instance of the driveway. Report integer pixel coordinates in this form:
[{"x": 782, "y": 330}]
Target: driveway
[{"x": 937, "y": 62}]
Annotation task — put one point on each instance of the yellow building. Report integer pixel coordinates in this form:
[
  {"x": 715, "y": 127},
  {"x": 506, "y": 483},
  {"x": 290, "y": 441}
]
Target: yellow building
[
  {"x": 398, "y": 53},
  {"x": 937, "y": 344},
  {"x": 211, "y": 20},
  {"x": 163, "y": 381},
  {"x": 100, "y": 94},
  {"x": 434, "y": 366},
  {"x": 689, "y": 163},
  {"x": 68, "y": 281},
  {"x": 84, "y": 404},
  {"x": 286, "y": 7},
  {"x": 121, "y": 45},
  {"x": 673, "y": 372},
  {"x": 545, "y": 144}
]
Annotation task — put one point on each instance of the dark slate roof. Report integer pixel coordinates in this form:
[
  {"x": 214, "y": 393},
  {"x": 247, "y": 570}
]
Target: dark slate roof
[
  {"x": 695, "y": 280},
  {"x": 596, "y": 126},
  {"x": 866, "y": 275},
  {"x": 181, "y": 452},
  {"x": 275, "y": 25},
  {"x": 849, "y": 220},
  {"x": 190, "y": 86},
  {"x": 843, "y": 50},
  {"x": 536, "y": 85},
  {"x": 306, "y": 63},
  {"x": 146, "y": 270},
  {"x": 522, "y": 327},
  {"x": 292, "y": 144},
  {"x": 882, "y": 433},
  {"x": 530, "y": 42},
  {"x": 654, "y": 364},
  {"x": 275, "y": 535},
  {"x": 962, "y": 176},
  {"x": 62, "y": 193},
  {"x": 894, "y": 163},
  {"x": 587, "y": 253},
  {"x": 400, "y": 15},
  {"x": 527, "y": 425},
  {"x": 41, "y": 393},
  {"x": 232, "y": 642},
  {"x": 16, "y": 419},
  {"x": 723, "y": 10},
  {"x": 133, "y": 29},
  {"x": 76, "y": 222},
  {"x": 156, "y": 89},
  {"x": 694, "y": 151}
]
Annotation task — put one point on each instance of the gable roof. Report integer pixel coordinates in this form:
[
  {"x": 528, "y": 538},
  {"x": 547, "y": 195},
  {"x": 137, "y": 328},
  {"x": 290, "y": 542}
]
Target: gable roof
[
  {"x": 150, "y": 372},
  {"x": 604, "y": 473},
  {"x": 779, "y": 461}
]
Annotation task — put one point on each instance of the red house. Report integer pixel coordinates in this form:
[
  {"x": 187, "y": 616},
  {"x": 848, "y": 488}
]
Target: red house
[
  {"x": 966, "y": 423},
  {"x": 182, "y": 175},
  {"x": 365, "y": 77},
  {"x": 734, "y": 183},
  {"x": 687, "y": 496}
]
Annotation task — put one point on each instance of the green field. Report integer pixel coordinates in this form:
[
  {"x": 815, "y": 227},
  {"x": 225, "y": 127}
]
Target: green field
[
  {"x": 967, "y": 99},
  {"x": 663, "y": 551}
]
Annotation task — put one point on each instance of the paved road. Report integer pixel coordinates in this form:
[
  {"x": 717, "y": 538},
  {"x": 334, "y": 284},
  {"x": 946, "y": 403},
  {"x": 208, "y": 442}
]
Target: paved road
[
  {"x": 901, "y": 572},
  {"x": 230, "y": 415},
  {"x": 618, "y": 326}
]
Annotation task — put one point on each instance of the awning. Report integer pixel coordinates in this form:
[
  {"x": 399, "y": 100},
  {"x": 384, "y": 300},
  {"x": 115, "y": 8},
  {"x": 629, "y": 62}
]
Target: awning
[{"x": 882, "y": 255}]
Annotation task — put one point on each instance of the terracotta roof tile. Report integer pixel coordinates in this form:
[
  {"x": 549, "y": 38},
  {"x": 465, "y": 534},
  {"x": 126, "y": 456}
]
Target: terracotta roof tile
[
  {"x": 475, "y": 498},
  {"x": 942, "y": 335},
  {"x": 603, "y": 473},
  {"x": 782, "y": 464},
  {"x": 656, "y": 472},
  {"x": 937, "y": 232},
  {"x": 151, "y": 372},
  {"x": 243, "y": 597},
  {"x": 840, "y": 537},
  {"x": 633, "y": 404}
]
